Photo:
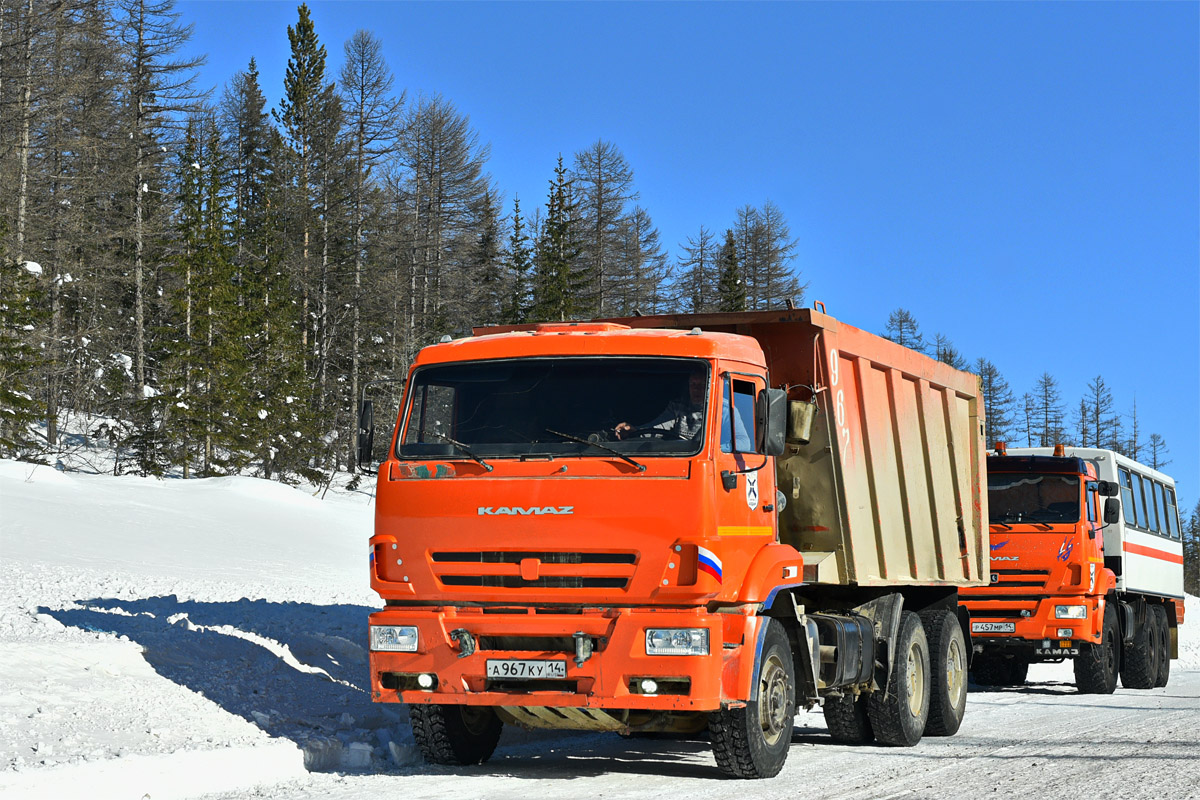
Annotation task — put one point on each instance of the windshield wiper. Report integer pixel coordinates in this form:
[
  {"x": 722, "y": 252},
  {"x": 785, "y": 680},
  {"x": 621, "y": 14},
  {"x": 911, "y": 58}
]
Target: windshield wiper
[
  {"x": 465, "y": 450},
  {"x": 614, "y": 451},
  {"x": 1001, "y": 524}
]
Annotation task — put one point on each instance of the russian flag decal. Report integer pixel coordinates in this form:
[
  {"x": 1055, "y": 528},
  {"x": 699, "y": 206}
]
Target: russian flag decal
[{"x": 709, "y": 563}]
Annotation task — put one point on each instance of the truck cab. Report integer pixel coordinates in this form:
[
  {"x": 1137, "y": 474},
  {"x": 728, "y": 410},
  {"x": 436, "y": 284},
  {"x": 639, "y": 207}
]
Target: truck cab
[{"x": 547, "y": 537}]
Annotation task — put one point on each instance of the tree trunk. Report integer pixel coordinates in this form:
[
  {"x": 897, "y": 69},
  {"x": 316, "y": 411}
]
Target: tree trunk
[{"x": 26, "y": 95}]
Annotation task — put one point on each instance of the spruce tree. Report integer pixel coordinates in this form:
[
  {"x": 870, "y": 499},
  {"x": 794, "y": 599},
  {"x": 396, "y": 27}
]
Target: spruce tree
[
  {"x": 731, "y": 289},
  {"x": 492, "y": 289},
  {"x": 518, "y": 262},
  {"x": 21, "y": 316},
  {"x": 558, "y": 276},
  {"x": 280, "y": 423},
  {"x": 299, "y": 113}
]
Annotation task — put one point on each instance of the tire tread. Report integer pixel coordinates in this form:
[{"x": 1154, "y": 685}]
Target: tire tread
[
  {"x": 884, "y": 709},
  {"x": 939, "y": 625},
  {"x": 439, "y": 744}
]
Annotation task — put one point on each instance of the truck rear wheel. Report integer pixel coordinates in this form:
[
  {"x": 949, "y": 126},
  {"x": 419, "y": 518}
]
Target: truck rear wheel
[
  {"x": 1097, "y": 664},
  {"x": 847, "y": 719},
  {"x": 948, "y": 672},
  {"x": 455, "y": 735},
  {"x": 1164, "y": 649},
  {"x": 1139, "y": 667},
  {"x": 753, "y": 741},
  {"x": 898, "y": 716}
]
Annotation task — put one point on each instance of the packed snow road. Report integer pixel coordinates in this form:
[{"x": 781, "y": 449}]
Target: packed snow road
[
  {"x": 181, "y": 639},
  {"x": 1043, "y": 741}
]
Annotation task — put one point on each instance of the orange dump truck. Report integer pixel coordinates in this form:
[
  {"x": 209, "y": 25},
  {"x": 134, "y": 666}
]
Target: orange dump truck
[
  {"x": 1101, "y": 585},
  {"x": 677, "y": 524}
]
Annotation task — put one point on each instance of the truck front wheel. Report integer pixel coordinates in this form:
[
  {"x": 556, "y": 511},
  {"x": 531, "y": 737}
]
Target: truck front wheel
[
  {"x": 948, "y": 673},
  {"x": 455, "y": 735},
  {"x": 1096, "y": 665},
  {"x": 753, "y": 741},
  {"x": 899, "y": 715},
  {"x": 1164, "y": 647}
]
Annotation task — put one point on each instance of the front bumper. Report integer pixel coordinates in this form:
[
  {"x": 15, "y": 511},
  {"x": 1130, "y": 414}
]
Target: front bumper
[
  {"x": 1030, "y": 622},
  {"x": 610, "y": 678}
]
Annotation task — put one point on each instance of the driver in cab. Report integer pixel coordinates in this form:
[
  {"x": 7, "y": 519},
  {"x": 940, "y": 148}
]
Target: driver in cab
[{"x": 681, "y": 419}]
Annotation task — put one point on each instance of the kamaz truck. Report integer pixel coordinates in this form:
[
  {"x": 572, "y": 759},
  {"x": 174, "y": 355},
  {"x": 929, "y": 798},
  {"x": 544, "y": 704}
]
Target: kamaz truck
[
  {"x": 1086, "y": 565},
  {"x": 677, "y": 524}
]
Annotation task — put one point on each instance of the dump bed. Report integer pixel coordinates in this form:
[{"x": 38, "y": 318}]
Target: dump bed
[{"x": 890, "y": 488}]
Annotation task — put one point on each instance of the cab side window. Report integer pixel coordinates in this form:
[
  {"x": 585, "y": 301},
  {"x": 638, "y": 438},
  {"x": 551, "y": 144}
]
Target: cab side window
[
  {"x": 1089, "y": 500},
  {"x": 737, "y": 418}
]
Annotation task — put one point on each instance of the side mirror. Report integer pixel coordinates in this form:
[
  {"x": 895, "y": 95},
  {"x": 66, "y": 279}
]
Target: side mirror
[
  {"x": 1108, "y": 489},
  {"x": 366, "y": 436},
  {"x": 772, "y": 412},
  {"x": 1112, "y": 511}
]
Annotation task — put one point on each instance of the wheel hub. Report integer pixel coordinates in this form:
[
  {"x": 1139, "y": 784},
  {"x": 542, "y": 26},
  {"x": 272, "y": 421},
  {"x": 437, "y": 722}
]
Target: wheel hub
[
  {"x": 916, "y": 680},
  {"x": 774, "y": 705},
  {"x": 956, "y": 683}
]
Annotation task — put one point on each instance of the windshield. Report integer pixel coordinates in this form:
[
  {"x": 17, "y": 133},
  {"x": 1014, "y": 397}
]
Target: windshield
[
  {"x": 1026, "y": 497},
  {"x": 557, "y": 407}
]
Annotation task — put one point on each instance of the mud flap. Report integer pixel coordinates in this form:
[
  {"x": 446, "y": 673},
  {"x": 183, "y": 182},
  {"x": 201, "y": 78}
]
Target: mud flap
[{"x": 884, "y": 613}]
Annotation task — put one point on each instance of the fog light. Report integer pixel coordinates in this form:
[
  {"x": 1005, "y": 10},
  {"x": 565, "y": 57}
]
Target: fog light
[
  {"x": 649, "y": 686},
  {"x": 425, "y": 680},
  {"x": 1070, "y": 612},
  {"x": 1064, "y": 633},
  {"x": 394, "y": 638}
]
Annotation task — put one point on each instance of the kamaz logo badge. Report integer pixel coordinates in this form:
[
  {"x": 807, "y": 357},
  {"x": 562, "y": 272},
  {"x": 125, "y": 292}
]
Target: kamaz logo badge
[{"x": 517, "y": 511}]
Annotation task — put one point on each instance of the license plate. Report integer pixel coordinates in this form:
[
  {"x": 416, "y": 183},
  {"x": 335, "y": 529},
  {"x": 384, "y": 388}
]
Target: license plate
[
  {"x": 522, "y": 670},
  {"x": 993, "y": 627}
]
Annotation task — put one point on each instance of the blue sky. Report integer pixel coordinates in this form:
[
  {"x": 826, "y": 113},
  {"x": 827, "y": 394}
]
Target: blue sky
[{"x": 1022, "y": 177}]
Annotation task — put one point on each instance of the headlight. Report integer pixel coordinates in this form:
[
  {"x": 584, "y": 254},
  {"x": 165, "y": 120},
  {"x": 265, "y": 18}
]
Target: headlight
[
  {"x": 394, "y": 638},
  {"x": 1070, "y": 612},
  {"x": 677, "y": 641}
]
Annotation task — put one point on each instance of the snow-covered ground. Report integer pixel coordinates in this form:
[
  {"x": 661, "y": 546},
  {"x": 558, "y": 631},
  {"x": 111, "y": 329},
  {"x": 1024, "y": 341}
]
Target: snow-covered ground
[{"x": 204, "y": 638}]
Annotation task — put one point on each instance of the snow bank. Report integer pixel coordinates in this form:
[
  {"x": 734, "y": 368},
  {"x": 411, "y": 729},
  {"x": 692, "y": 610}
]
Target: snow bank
[
  {"x": 172, "y": 638},
  {"x": 170, "y": 777}
]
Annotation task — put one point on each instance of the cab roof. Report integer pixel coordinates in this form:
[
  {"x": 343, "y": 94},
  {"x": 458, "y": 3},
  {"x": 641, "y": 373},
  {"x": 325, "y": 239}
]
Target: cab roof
[{"x": 592, "y": 339}]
